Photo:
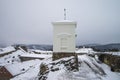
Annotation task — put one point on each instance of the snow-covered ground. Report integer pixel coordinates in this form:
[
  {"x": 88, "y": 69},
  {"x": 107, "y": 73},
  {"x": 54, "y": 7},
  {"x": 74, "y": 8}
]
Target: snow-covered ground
[
  {"x": 89, "y": 67},
  {"x": 85, "y": 50},
  {"x": 113, "y": 53}
]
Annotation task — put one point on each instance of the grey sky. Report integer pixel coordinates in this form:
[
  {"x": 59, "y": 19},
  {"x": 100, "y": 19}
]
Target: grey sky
[{"x": 29, "y": 21}]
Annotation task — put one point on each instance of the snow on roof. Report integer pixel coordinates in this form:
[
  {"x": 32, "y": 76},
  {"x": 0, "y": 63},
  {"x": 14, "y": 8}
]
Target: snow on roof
[
  {"x": 8, "y": 59},
  {"x": 19, "y": 68},
  {"x": 7, "y": 49},
  {"x": 36, "y": 55},
  {"x": 64, "y": 22},
  {"x": 31, "y": 74},
  {"x": 85, "y": 50},
  {"x": 41, "y": 51}
]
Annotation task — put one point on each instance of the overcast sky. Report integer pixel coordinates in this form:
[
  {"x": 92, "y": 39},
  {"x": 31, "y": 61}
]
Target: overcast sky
[{"x": 29, "y": 21}]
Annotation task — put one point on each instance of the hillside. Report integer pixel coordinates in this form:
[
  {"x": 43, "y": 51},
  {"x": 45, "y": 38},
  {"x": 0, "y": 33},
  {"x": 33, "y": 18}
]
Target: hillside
[{"x": 106, "y": 47}]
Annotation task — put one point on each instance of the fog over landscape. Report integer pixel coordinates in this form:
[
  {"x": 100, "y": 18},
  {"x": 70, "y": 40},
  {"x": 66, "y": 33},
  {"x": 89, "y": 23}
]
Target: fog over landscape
[
  {"x": 59, "y": 39},
  {"x": 29, "y": 21}
]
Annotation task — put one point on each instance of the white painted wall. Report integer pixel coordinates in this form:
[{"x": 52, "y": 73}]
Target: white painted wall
[{"x": 64, "y": 36}]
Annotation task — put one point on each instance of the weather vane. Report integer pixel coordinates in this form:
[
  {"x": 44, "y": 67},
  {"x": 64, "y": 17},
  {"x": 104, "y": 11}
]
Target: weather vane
[{"x": 64, "y": 14}]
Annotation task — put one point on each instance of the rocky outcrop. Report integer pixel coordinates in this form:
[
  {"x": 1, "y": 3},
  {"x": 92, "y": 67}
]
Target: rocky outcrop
[
  {"x": 69, "y": 64},
  {"x": 44, "y": 70},
  {"x": 112, "y": 60}
]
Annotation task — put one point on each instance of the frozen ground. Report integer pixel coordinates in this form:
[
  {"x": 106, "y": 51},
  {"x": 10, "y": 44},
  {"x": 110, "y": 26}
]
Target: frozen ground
[{"x": 89, "y": 67}]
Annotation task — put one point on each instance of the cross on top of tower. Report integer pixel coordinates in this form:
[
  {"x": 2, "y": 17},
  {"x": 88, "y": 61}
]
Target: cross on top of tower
[{"x": 64, "y": 14}]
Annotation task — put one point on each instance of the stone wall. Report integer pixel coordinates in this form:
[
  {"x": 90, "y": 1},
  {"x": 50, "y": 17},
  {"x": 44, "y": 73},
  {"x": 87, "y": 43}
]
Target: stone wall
[
  {"x": 62, "y": 55},
  {"x": 57, "y": 56},
  {"x": 29, "y": 58}
]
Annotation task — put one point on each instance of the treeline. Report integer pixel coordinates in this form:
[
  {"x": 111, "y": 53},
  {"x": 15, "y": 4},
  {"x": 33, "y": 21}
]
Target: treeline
[
  {"x": 106, "y": 50},
  {"x": 101, "y": 49}
]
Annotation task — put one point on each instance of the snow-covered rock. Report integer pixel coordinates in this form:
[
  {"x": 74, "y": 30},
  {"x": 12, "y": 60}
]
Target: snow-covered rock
[{"x": 89, "y": 69}]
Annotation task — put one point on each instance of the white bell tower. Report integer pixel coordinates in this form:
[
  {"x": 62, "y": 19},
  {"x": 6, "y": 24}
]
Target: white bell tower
[{"x": 64, "y": 36}]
